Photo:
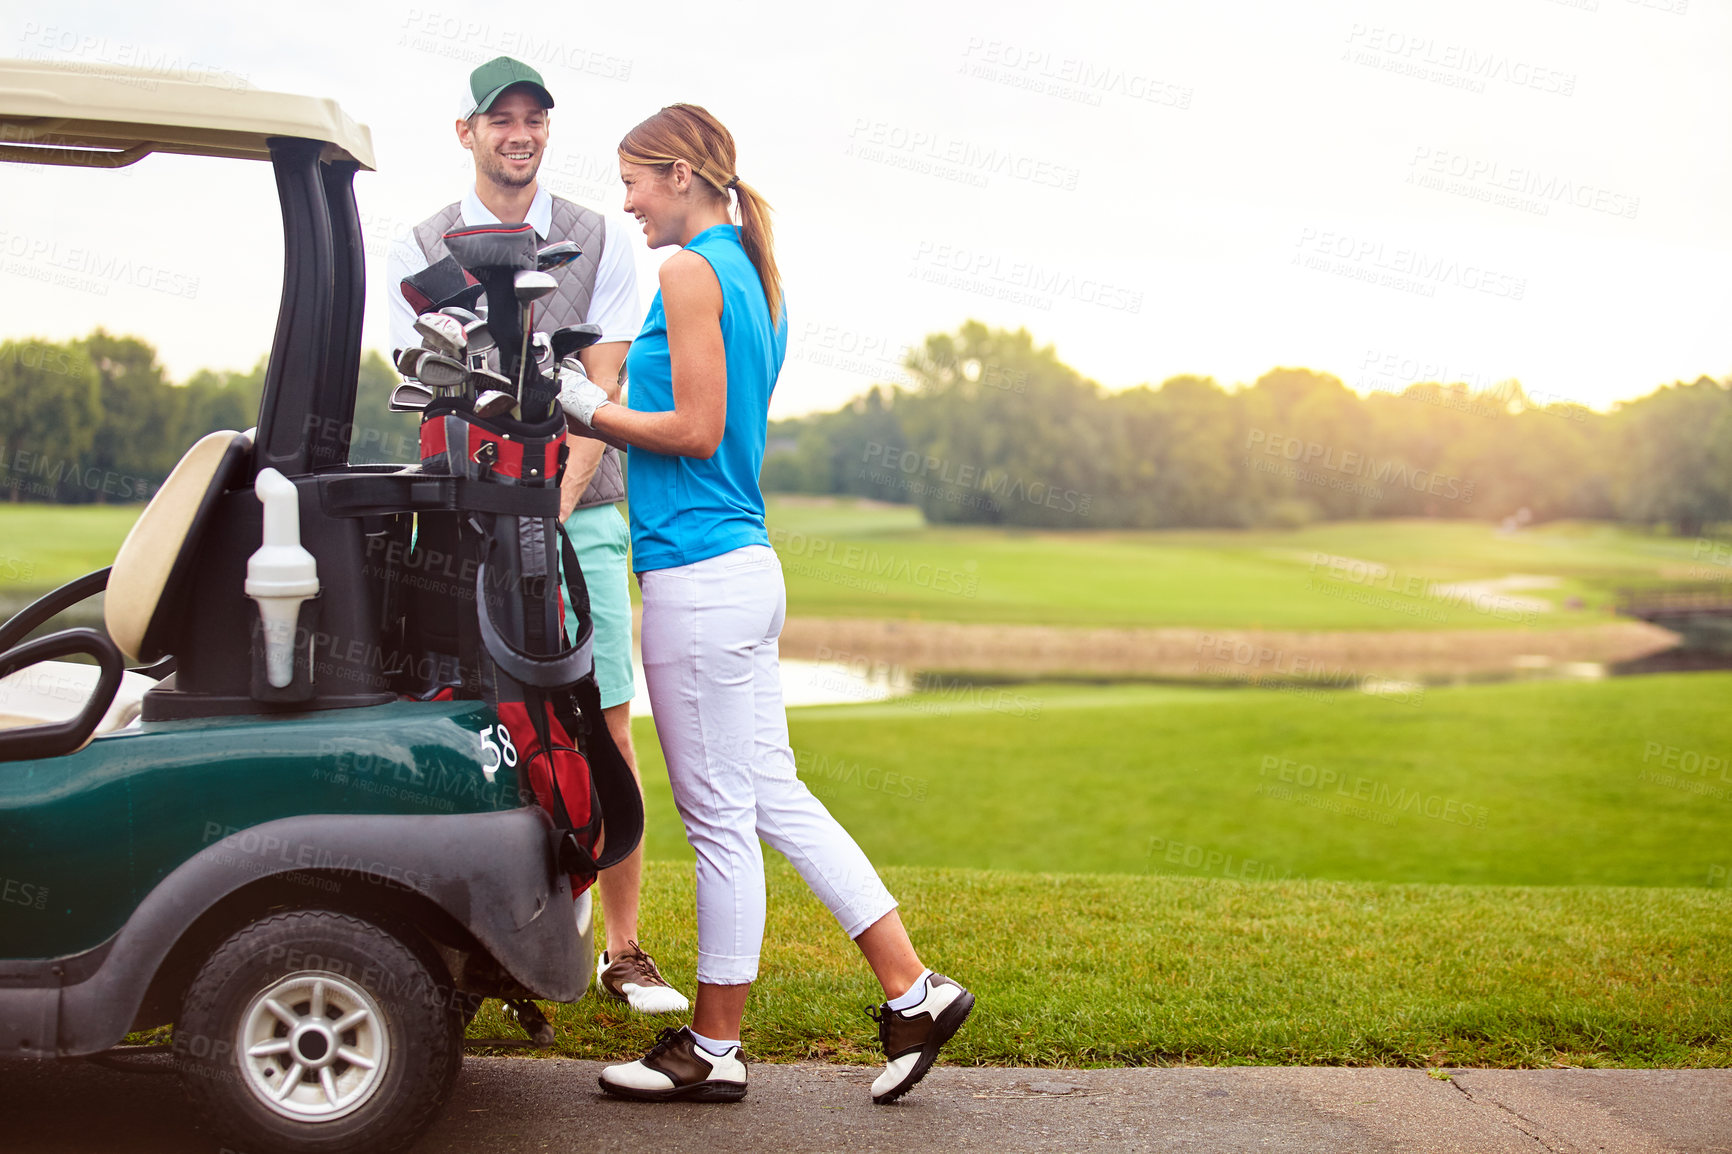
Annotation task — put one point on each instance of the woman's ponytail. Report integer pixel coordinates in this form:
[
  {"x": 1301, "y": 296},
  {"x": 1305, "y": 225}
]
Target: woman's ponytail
[{"x": 759, "y": 242}]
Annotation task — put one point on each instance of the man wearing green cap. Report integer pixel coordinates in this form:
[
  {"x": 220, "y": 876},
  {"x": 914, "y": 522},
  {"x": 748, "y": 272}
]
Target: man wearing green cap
[{"x": 503, "y": 122}]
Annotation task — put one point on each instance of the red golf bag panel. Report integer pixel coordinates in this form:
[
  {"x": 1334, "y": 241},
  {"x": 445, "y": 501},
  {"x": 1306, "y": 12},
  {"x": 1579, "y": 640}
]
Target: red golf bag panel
[{"x": 557, "y": 773}]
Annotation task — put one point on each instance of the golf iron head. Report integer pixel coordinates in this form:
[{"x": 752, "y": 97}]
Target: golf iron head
[
  {"x": 495, "y": 403},
  {"x": 440, "y": 372},
  {"x": 482, "y": 380},
  {"x": 407, "y": 360},
  {"x": 410, "y": 397},
  {"x": 441, "y": 333},
  {"x": 478, "y": 338}
]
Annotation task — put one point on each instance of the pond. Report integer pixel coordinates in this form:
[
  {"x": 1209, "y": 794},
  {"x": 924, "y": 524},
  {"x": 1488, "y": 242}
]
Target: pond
[{"x": 814, "y": 683}]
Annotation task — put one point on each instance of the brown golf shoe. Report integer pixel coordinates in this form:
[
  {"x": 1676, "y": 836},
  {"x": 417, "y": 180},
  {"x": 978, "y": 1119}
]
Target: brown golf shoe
[{"x": 631, "y": 977}]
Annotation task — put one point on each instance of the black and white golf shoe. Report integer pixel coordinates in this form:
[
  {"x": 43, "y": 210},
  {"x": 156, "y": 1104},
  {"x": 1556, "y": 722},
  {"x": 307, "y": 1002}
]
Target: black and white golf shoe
[
  {"x": 677, "y": 1069},
  {"x": 912, "y": 1038}
]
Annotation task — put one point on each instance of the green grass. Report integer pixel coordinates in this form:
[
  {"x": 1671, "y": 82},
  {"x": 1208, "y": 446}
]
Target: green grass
[
  {"x": 846, "y": 559},
  {"x": 44, "y": 546},
  {"x": 1103, "y": 970},
  {"x": 1104, "y": 914},
  {"x": 1112, "y": 779},
  {"x": 852, "y": 559}
]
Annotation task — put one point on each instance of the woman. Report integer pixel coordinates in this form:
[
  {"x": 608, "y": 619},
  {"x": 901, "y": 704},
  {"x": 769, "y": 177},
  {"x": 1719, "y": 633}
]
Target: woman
[{"x": 701, "y": 374}]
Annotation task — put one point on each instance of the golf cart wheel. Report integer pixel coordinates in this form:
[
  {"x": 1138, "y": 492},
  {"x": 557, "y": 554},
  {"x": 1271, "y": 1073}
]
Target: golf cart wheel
[{"x": 317, "y": 1033}]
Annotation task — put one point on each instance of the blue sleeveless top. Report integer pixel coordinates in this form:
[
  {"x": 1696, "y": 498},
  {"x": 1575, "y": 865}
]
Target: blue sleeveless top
[{"x": 683, "y": 509}]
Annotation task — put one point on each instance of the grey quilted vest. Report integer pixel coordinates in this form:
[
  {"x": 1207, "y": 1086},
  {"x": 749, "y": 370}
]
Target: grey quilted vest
[{"x": 568, "y": 305}]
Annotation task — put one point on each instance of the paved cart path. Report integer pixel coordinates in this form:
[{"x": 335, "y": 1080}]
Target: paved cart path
[{"x": 503, "y": 1105}]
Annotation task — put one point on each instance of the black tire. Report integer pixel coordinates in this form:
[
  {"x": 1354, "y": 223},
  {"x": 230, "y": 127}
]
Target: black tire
[{"x": 406, "y": 1024}]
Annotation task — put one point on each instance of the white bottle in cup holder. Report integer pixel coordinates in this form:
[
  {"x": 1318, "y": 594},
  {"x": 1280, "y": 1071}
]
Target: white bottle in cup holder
[{"x": 280, "y": 575}]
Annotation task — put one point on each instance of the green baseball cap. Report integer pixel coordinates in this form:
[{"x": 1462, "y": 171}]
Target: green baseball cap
[{"x": 488, "y": 82}]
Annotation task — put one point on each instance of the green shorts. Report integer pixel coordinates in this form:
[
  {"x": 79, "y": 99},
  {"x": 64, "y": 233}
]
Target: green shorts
[{"x": 602, "y": 540}]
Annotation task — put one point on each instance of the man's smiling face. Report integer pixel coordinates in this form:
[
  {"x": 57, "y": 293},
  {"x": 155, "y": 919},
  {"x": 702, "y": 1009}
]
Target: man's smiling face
[{"x": 507, "y": 140}]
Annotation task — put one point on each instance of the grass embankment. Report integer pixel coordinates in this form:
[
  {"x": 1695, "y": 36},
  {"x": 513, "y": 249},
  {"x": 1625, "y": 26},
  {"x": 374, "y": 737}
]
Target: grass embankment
[
  {"x": 847, "y": 559},
  {"x": 1104, "y": 970}
]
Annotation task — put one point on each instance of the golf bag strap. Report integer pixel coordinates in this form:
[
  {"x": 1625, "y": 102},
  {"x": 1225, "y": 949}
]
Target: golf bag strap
[
  {"x": 572, "y": 858},
  {"x": 617, "y": 796},
  {"x": 558, "y": 671},
  {"x": 576, "y": 588}
]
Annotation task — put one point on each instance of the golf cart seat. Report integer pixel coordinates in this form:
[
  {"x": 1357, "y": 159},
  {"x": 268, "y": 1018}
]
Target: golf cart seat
[
  {"x": 50, "y": 707},
  {"x": 157, "y": 556},
  {"x": 52, "y": 692}
]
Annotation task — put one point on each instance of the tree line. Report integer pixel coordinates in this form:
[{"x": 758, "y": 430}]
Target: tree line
[
  {"x": 993, "y": 429},
  {"x": 97, "y": 421},
  {"x": 996, "y": 430}
]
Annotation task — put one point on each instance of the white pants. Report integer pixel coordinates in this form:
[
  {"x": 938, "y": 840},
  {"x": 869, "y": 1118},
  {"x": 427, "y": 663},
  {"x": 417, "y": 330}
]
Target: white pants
[{"x": 710, "y": 634}]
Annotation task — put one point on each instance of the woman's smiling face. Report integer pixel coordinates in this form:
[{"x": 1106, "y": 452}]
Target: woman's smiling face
[{"x": 651, "y": 197}]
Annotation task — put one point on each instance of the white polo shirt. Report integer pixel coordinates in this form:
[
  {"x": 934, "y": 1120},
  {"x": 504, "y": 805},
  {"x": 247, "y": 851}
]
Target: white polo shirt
[{"x": 613, "y": 305}]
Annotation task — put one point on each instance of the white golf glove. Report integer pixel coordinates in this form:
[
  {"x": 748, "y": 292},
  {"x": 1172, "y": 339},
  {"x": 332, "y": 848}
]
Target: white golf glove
[{"x": 579, "y": 396}]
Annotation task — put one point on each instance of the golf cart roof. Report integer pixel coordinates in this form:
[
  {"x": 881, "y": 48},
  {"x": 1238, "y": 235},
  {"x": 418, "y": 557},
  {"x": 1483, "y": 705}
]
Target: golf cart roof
[{"x": 109, "y": 116}]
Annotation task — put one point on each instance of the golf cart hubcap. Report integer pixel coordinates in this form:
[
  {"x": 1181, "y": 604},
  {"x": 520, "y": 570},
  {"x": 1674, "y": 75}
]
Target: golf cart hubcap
[{"x": 313, "y": 1046}]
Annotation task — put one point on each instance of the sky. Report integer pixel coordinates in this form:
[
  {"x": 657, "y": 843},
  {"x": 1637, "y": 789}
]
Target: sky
[{"x": 1387, "y": 190}]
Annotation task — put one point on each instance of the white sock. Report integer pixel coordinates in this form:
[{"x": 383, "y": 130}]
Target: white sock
[
  {"x": 715, "y": 1047},
  {"x": 914, "y": 995}
]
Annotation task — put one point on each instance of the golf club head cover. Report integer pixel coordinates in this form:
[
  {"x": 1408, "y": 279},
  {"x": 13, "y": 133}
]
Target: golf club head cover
[
  {"x": 440, "y": 284},
  {"x": 493, "y": 246}
]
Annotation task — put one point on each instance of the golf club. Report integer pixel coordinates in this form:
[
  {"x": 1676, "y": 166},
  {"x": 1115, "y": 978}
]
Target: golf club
[
  {"x": 573, "y": 338},
  {"x": 556, "y": 255},
  {"x": 493, "y": 403},
  {"x": 529, "y": 286},
  {"x": 495, "y": 254},
  {"x": 410, "y": 397},
  {"x": 440, "y": 372},
  {"x": 441, "y": 333},
  {"x": 484, "y": 379},
  {"x": 468, "y": 318},
  {"x": 408, "y": 359},
  {"x": 479, "y": 340}
]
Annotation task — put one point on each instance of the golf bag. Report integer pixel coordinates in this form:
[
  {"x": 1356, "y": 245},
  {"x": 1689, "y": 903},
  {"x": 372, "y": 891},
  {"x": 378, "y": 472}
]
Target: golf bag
[
  {"x": 494, "y": 626},
  {"x": 507, "y": 635}
]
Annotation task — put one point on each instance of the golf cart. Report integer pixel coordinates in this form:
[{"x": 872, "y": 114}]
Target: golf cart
[{"x": 306, "y": 796}]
